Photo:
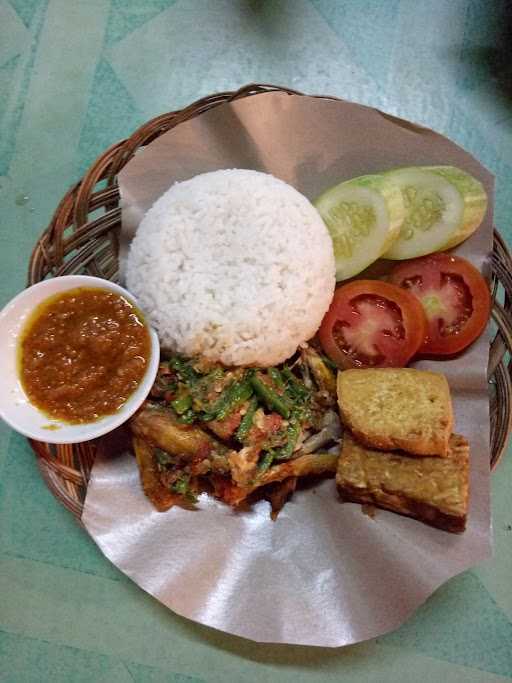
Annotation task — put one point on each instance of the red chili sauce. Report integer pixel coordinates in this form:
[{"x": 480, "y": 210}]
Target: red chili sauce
[{"x": 83, "y": 353}]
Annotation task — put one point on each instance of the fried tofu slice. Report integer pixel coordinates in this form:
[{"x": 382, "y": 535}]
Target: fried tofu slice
[
  {"x": 430, "y": 489},
  {"x": 397, "y": 408}
]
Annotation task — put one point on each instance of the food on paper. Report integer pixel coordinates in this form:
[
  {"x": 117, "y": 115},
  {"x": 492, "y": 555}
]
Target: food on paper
[
  {"x": 432, "y": 490},
  {"x": 364, "y": 217},
  {"x": 232, "y": 431},
  {"x": 443, "y": 207},
  {"x": 235, "y": 266},
  {"x": 236, "y": 270},
  {"x": 455, "y": 297},
  {"x": 372, "y": 324},
  {"x": 403, "y": 408},
  {"x": 216, "y": 298},
  {"x": 82, "y": 353}
]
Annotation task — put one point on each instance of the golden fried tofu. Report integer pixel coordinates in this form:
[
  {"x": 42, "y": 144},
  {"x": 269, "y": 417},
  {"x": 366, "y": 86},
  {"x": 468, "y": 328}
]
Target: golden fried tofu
[
  {"x": 430, "y": 489},
  {"x": 397, "y": 408}
]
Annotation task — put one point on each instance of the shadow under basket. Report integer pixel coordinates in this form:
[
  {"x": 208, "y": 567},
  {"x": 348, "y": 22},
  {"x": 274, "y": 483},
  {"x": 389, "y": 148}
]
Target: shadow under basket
[{"x": 83, "y": 238}]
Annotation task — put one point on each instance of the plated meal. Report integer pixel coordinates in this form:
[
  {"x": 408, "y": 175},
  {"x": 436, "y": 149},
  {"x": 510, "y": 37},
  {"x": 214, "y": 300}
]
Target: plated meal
[
  {"x": 279, "y": 362},
  {"x": 270, "y": 375}
]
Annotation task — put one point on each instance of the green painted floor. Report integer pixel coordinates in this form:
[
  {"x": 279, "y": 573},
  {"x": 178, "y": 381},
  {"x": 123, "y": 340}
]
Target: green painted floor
[{"x": 76, "y": 76}]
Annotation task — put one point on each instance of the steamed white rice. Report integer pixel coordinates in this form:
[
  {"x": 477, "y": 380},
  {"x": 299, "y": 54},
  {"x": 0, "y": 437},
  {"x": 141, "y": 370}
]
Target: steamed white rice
[{"x": 234, "y": 265}]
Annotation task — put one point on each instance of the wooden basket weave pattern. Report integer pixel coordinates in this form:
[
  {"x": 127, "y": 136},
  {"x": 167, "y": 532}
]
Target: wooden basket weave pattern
[{"x": 82, "y": 238}]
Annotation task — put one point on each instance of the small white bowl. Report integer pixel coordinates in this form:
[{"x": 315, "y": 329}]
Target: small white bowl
[{"x": 15, "y": 407}]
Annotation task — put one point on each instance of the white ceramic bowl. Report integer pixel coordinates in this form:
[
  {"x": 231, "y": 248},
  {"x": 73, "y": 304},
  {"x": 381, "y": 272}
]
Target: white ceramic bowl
[{"x": 16, "y": 409}]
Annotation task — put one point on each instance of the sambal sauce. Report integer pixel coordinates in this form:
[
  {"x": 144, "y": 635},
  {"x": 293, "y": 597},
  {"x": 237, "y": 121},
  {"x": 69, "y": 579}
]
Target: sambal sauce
[{"x": 83, "y": 353}]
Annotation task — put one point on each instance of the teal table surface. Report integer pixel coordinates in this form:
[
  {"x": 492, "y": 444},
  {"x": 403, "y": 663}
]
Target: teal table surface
[{"x": 75, "y": 76}]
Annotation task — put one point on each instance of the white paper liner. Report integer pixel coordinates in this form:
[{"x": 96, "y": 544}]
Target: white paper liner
[{"x": 324, "y": 573}]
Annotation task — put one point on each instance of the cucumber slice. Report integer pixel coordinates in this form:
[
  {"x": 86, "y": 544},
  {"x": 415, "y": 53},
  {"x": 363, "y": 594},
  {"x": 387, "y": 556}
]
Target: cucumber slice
[
  {"x": 475, "y": 201},
  {"x": 444, "y": 207},
  {"x": 363, "y": 216}
]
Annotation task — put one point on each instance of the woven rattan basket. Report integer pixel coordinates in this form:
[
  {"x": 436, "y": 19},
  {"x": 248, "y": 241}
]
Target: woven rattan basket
[{"x": 82, "y": 238}]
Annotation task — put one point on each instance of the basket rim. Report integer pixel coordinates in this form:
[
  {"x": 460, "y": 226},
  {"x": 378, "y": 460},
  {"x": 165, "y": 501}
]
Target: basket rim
[{"x": 66, "y": 470}]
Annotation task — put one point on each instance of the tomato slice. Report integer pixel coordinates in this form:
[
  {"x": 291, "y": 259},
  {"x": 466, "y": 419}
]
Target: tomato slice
[
  {"x": 455, "y": 298},
  {"x": 372, "y": 324}
]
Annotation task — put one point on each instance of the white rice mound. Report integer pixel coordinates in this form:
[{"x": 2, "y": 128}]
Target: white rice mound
[{"x": 235, "y": 265}]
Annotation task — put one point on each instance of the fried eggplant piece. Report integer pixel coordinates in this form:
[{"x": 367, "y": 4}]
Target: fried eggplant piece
[
  {"x": 161, "y": 429},
  {"x": 158, "y": 494},
  {"x": 312, "y": 464},
  {"x": 308, "y": 465},
  {"x": 279, "y": 493},
  {"x": 226, "y": 490}
]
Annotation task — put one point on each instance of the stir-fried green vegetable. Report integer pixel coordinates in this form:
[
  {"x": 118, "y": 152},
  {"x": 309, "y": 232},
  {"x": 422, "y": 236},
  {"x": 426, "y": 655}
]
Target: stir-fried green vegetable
[
  {"x": 266, "y": 461},
  {"x": 236, "y": 394},
  {"x": 163, "y": 457},
  {"x": 269, "y": 397},
  {"x": 276, "y": 378},
  {"x": 247, "y": 419},
  {"x": 268, "y": 409},
  {"x": 182, "y": 486},
  {"x": 292, "y": 433},
  {"x": 183, "y": 369},
  {"x": 295, "y": 388},
  {"x": 181, "y": 404},
  {"x": 232, "y": 428}
]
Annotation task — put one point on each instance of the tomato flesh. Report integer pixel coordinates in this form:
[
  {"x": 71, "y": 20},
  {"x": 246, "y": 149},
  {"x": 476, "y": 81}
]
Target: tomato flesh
[
  {"x": 450, "y": 304},
  {"x": 454, "y": 296},
  {"x": 372, "y": 324},
  {"x": 370, "y": 328}
]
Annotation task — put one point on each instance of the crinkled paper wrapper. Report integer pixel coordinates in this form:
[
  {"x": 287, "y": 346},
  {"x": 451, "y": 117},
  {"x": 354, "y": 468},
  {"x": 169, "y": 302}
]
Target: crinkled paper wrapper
[{"x": 324, "y": 573}]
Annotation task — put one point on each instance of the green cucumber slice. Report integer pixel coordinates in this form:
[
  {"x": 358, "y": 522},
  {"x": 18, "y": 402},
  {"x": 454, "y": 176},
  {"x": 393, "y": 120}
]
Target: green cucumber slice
[
  {"x": 444, "y": 206},
  {"x": 363, "y": 216}
]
